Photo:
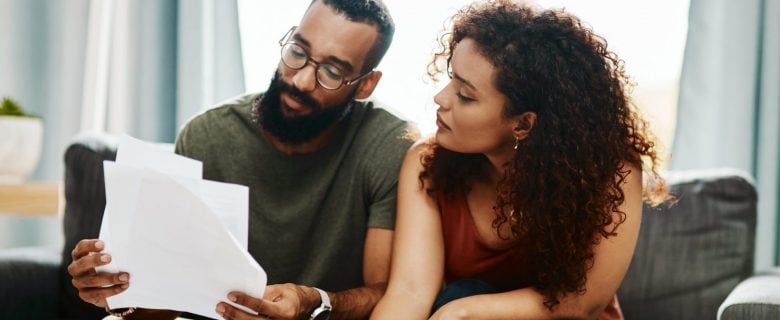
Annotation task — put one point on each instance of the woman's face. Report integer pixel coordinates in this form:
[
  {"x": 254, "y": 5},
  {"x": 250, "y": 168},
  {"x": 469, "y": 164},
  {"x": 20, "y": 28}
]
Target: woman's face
[{"x": 470, "y": 106}]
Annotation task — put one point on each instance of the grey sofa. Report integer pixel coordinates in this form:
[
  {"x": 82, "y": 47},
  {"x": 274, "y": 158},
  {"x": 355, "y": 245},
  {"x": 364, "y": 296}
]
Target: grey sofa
[{"x": 689, "y": 257}]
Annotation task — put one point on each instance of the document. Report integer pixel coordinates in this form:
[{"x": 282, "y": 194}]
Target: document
[{"x": 182, "y": 239}]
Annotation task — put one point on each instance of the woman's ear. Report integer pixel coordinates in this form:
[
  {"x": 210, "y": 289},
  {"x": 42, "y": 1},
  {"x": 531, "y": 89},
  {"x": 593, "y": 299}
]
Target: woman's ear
[{"x": 524, "y": 124}]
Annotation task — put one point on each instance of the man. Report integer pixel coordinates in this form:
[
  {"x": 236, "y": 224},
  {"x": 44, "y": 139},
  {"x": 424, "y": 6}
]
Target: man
[{"x": 321, "y": 167}]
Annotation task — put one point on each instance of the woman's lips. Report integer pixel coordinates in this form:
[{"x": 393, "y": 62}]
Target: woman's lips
[{"x": 441, "y": 123}]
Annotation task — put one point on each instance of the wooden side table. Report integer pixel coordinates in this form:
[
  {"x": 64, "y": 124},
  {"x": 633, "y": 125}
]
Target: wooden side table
[{"x": 33, "y": 198}]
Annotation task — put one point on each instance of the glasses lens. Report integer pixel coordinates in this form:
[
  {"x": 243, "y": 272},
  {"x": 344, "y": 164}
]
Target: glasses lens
[
  {"x": 329, "y": 76},
  {"x": 294, "y": 56}
]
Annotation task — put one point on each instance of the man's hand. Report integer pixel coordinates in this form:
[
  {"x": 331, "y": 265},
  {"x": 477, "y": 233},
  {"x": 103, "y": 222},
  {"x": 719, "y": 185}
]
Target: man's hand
[
  {"x": 94, "y": 287},
  {"x": 281, "y": 301}
]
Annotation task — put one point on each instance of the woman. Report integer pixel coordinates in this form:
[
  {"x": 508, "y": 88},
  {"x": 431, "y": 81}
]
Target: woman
[{"x": 527, "y": 202}]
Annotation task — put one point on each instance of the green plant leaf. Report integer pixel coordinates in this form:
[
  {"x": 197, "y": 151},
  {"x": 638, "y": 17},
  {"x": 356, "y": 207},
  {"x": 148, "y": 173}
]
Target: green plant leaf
[{"x": 9, "y": 107}]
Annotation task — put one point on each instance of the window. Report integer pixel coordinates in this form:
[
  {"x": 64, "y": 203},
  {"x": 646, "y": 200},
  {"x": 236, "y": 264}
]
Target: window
[{"x": 648, "y": 35}]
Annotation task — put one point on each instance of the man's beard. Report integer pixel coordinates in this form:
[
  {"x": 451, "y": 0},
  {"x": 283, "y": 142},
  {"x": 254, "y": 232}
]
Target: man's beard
[{"x": 299, "y": 129}]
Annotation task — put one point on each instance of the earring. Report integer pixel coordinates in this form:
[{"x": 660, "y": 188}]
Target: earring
[{"x": 517, "y": 142}]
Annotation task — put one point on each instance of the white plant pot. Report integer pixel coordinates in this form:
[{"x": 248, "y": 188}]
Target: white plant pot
[{"x": 21, "y": 139}]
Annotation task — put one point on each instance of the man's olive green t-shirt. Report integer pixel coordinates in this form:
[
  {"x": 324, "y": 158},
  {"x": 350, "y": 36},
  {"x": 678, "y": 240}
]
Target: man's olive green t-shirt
[{"x": 308, "y": 213}]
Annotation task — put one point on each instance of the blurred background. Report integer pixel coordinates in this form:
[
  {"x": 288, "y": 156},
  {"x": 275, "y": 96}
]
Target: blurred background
[{"x": 705, "y": 74}]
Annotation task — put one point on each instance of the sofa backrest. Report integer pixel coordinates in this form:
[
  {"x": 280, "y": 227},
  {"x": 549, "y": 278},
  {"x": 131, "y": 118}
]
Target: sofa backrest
[
  {"x": 687, "y": 260},
  {"x": 690, "y": 256},
  {"x": 85, "y": 201}
]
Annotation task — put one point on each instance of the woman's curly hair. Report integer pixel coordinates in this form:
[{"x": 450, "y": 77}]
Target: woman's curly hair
[{"x": 562, "y": 190}]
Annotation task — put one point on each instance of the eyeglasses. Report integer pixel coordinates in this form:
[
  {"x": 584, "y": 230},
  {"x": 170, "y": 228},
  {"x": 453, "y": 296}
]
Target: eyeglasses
[{"x": 328, "y": 76}]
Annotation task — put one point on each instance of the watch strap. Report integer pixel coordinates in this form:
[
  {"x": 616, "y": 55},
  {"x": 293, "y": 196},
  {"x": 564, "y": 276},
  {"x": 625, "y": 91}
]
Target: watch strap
[{"x": 324, "y": 304}]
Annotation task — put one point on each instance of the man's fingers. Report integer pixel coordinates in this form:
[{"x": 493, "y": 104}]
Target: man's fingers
[
  {"x": 100, "y": 280},
  {"x": 232, "y": 313},
  {"x": 86, "y": 257},
  {"x": 87, "y": 263},
  {"x": 97, "y": 296},
  {"x": 84, "y": 247},
  {"x": 247, "y": 301}
]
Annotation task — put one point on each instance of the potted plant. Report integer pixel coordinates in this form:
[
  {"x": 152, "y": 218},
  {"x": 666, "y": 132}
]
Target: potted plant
[{"x": 21, "y": 137}]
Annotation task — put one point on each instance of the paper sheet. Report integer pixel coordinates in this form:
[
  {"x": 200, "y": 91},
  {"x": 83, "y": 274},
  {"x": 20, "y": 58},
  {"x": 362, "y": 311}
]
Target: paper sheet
[{"x": 182, "y": 239}]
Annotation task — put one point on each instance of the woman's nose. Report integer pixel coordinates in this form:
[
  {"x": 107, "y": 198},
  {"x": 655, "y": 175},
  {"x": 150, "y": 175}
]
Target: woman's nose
[{"x": 440, "y": 99}]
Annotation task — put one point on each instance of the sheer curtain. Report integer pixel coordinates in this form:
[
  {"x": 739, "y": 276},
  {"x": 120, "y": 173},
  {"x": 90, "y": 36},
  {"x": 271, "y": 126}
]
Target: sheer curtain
[
  {"x": 141, "y": 67},
  {"x": 137, "y": 66},
  {"x": 729, "y": 107},
  {"x": 42, "y": 49}
]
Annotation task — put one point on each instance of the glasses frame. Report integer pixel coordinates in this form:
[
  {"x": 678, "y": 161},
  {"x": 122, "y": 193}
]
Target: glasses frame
[{"x": 286, "y": 39}]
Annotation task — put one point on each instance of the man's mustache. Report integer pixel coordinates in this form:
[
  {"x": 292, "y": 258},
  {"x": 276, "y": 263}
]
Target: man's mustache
[{"x": 299, "y": 95}]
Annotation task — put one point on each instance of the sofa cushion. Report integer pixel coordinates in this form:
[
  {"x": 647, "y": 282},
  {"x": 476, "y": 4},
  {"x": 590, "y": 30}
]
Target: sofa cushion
[
  {"x": 28, "y": 283},
  {"x": 691, "y": 255}
]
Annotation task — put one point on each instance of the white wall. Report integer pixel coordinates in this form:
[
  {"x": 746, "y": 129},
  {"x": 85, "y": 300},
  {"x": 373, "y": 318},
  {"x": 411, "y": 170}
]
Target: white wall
[{"x": 648, "y": 35}]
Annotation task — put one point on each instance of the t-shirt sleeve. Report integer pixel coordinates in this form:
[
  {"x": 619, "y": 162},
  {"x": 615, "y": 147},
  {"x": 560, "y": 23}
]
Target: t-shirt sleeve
[
  {"x": 181, "y": 140},
  {"x": 187, "y": 141},
  {"x": 383, "y": 167}
]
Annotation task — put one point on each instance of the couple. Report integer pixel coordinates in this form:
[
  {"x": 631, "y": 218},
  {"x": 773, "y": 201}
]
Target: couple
[{"x": 525, "y": 204}]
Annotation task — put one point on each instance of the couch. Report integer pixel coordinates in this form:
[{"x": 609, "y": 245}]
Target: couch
[{"x": 689, "y": 258}]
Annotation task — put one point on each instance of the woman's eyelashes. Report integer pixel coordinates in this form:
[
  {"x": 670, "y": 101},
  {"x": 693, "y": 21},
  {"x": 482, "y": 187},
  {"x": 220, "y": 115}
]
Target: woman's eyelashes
[{"x": 463, "y": 98}]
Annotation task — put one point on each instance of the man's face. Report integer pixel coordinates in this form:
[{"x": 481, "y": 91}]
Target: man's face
[
  {"x": 296, "y": 108},
  {"x": 294, "y": 130}
]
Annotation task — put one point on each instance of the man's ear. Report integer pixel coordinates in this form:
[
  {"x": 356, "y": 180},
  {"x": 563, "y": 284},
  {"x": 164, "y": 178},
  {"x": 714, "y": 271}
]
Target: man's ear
[
  {"x": 367, "y": 85},
  {"x": 524, "y": 124}
]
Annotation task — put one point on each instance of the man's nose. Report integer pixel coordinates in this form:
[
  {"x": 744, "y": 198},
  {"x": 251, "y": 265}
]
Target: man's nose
[{"x": 305, "y": 79}]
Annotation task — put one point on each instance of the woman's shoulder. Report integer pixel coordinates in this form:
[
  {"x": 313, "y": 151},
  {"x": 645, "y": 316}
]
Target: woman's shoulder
[
  {"x": 416, "y": 154},
  {"x": 420, "y": 146}
]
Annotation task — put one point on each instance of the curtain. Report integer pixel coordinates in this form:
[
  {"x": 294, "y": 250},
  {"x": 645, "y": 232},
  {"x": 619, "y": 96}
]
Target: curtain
[
  {"x": 143, "y": 67},
  {"x": 729, "y": 104},
  {"x": 42, "y": 66}
]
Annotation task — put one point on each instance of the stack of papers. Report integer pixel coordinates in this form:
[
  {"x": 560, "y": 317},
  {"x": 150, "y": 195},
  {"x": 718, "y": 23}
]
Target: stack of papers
[{"x": 182, "y": 239}]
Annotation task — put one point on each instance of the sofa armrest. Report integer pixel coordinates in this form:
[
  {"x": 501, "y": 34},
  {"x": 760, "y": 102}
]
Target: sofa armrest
[
  {"x": 29, "y": 283},
  {"x": 757, "y": 297}
]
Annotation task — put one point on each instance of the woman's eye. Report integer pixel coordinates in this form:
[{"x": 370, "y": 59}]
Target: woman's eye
[{"x": 463, "y": 98}]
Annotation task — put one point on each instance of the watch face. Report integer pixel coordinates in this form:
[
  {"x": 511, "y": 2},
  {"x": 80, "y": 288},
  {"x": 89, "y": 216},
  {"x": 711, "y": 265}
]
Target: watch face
[{"x": 322, "y": 315}]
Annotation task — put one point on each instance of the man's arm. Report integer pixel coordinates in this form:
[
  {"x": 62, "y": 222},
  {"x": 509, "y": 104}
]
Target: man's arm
[
  {"x": 291, "y": 301},
  {"x": 357, "y": 303}
]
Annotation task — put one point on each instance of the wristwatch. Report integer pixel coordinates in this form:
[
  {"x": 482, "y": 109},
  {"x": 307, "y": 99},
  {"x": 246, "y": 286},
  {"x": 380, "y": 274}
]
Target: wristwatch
[{"x": 323, "y": 311}]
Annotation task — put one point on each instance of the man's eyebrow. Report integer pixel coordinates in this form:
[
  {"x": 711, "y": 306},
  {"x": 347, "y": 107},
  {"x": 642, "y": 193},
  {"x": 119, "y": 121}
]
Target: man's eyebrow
[
  {"x": 464, "y": 81},
  {"x": 343, "y": 64}
]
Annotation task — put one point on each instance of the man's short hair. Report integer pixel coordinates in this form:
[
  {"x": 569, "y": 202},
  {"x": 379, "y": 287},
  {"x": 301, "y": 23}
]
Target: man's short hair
[{"x": 373, "y": 12}]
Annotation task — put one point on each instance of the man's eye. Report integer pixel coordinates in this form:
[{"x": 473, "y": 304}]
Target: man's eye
[
  {"x": 331, "y": 71},
  {"x": 298, "y": 53}
]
